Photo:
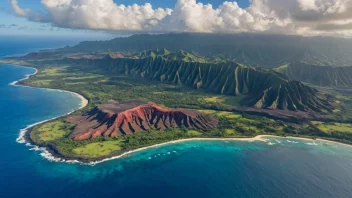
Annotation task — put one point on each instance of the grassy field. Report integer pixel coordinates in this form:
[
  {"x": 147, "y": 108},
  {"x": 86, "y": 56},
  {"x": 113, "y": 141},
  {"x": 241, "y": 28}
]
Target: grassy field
[
  {"x": 231, "y": 101},
  {"x": 234, "y": 124},
  {"x": 98, "y": 149},
  {"x": 227, "y": 114},
  {"x": 234, "y": 100},
  {"x": 52, "y": 131},
  {"x": 333, "y": 127},
  {"x": 193, "y": 133}
]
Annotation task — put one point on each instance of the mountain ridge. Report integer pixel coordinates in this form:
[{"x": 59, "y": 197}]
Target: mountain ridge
[
  {"x": 327, "y": 76},
  {"x": 263, "y": 89},
  {"x": 268, "y": 51}
]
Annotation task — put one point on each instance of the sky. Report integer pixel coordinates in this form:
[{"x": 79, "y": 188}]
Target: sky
[{"x": 124, "y": 17}]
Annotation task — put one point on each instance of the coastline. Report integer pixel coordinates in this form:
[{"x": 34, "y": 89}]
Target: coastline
[
  {"x": 25, "y": 131},
  {"x": 110, "y": 157},
  {"x": 84, "y": 101},
  {"x": 52, "y": 155},
  {"x": 14, "y": 83}
]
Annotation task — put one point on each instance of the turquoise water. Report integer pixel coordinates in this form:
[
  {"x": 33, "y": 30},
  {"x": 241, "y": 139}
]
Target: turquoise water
[{"x": 275, "y": 168}]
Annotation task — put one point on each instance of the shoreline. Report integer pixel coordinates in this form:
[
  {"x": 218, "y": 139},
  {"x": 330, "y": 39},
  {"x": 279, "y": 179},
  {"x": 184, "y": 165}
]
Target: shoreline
[
  {"x": 14, "y": 83},
  {"x": 51, "y": 154},
  {"x": 262, "y": 138},
  {"x": 23, "y": 132},
  {"x": 84, "y": 101}
]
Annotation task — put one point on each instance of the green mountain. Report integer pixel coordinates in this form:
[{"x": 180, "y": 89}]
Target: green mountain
[
  {"x": 322, "y": 76},
  {"x": 267, "y": 51},
  {"x": 263, "y": 89},
  {"x": 168, "y": 55}
]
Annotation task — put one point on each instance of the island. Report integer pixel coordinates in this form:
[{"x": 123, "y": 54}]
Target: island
[{"x": 149, "y": 97}]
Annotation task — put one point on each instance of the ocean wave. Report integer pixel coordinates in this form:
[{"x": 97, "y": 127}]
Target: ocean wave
[
  {"x": 43, "y": 151},
  {"x": 312, "y": 144},
  {"x": 21, "y": 138},
  {"x": 294, "y": 142},
  {"x": 14, "y": 83},
  {"x": 271, "y": 143}
]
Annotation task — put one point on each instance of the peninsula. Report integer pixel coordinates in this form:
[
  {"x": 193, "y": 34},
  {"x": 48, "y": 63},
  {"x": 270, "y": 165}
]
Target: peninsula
[{"x": 144, "y": 98}]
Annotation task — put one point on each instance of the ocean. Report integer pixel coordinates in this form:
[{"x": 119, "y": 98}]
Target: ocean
[{"x": 279, "y": 167}]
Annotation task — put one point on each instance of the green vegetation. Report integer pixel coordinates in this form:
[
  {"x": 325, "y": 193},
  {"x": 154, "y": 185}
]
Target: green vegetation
[
  {"x": 329, "y": 127},
  {"x": 266, "y": 51},
  {"x": 236, "y": 124},
  {"x": 231, "y": 125},
  {"x": 103, "y": 146},
  {"x": 213, "y": 88},
  {"x": 319, "y": 75},
  {"x": 226, "y": 114},
  {"x": 98, "y": 149},
  {"x": 99, "y": 89},
  {"x": 51, "y": 131},
  {"x": 167, "y": 55},
  {"x": 193, "y": 133},
  {"x": 233, "y": 101},
  {"x": 257, "y": 88}
]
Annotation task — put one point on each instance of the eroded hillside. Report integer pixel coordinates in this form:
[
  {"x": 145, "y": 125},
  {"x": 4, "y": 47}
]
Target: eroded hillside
[
  {"x": 319, "y": 75},
  {"x": 263, "y": 89}
]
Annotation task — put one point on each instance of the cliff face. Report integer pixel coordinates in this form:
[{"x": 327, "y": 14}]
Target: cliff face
[
  {"x": 114, "y": 119},
  {"x": 264, "y": 89},
  {"x": 319, "y": 75}
]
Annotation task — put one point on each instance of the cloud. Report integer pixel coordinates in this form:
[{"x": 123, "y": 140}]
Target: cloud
[
  {"x": 304, "y": 17},
  {"x": 18, "y": 10},
  {"x": 103, "y": 14}
]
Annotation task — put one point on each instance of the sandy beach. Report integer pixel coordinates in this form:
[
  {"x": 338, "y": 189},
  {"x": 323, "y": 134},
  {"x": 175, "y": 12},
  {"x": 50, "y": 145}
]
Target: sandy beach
[
  {"x": 84, "y": 101},
  {"x": 256, "y": 138}
]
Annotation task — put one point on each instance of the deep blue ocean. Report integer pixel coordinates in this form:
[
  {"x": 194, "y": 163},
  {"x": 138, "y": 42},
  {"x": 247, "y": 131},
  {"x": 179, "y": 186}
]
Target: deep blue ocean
[{"x": 276, "y": 168}]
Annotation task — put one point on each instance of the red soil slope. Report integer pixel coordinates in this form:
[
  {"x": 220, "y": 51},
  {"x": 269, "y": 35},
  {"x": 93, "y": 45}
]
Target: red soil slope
[{"x": 114, "y": 119}]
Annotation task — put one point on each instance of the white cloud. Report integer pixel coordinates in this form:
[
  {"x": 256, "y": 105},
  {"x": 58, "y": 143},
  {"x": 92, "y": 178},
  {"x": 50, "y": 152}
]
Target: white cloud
[
  {"x": 307, "y": 4},
  {"x": 18, "y": 10},
  {"x": 307, "y": 17},
  {"x": 103, "y": 14}
]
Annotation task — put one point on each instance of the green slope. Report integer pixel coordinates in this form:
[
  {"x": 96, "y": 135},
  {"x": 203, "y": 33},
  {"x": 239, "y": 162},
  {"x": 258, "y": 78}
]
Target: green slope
[
  {"x": 168, "y": 55},
  {"x": 322, "y": 76},
  {"x": 267, "y": 51},
  {"x": 263, "y": 89}
]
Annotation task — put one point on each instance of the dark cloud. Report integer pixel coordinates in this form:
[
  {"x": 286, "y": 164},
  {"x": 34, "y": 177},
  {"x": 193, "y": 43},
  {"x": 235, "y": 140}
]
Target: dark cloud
[{"x": 333, "y": 27}]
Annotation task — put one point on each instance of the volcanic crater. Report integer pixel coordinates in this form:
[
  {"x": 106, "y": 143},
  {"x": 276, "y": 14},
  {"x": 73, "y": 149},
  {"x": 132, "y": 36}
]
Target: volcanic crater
[{"x": 119, "y": 118}]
